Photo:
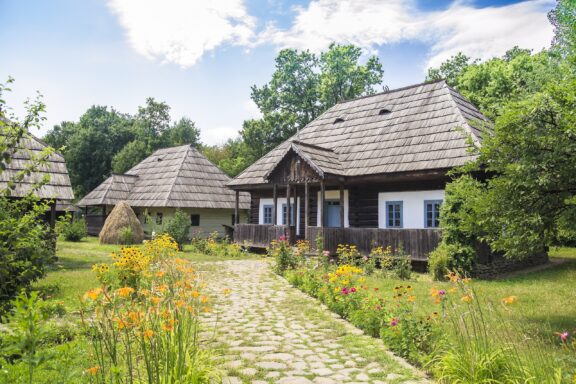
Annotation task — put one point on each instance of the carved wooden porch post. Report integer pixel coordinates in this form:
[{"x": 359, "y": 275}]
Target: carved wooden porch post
[
  {"x": 275, "y": 204},
  {"x": 295, "y": 208},
  {"x": 341, "y": 206},
  {"x": 237, "y": 208},
  {"x": 321, "y": 203},
  {"x": 287, "y": 220},
  {"x": 306, "y": 207}
]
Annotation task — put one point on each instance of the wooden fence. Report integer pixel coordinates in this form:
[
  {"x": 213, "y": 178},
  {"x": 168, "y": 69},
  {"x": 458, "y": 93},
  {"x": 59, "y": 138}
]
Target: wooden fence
[
  {"x": 260, "y": 236},
  {"x": 416, "y": 242}
]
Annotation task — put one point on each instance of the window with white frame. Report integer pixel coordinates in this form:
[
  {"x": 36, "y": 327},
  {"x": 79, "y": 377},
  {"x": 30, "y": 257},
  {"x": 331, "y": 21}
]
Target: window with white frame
[
  {"x": 394, "y": 214},
  {"x": 432, "y": 213},
  {"x": 267, "y": 214},
  {"x": 284, "y": 209}
]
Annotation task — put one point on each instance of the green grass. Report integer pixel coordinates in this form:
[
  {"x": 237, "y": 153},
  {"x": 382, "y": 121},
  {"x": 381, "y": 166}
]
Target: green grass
[{"x": 72, "y": 274}]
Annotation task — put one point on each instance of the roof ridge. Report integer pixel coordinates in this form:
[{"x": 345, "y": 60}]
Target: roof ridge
[
  {"x": 392, "y": 90},
  {"x": 167, "y": 199},
  {"x": 465, "y": 125},
  {"x": 312, "y": 145}
]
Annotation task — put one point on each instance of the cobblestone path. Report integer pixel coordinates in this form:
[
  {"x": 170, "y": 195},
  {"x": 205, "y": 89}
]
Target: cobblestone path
[{"x": 271, "y": 332}]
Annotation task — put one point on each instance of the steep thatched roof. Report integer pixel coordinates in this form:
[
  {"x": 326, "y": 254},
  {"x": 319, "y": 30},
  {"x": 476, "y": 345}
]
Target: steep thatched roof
[
  {"x": 179, "y": 177},
  {"x": 122, "y": 216},
  {"x": 58, "y": 187},
  {"x": 421, "y": 127}
]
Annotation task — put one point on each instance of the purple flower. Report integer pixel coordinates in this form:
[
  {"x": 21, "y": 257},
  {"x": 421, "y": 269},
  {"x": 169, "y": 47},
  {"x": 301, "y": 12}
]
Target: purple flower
[
  {"x": 344, "y": 290},
  {"x": 563, "y": 336},
  {"x": 393, "y": 322},
  {"x": 352, "y": 289},
  {"x": 442, "y": 292}
]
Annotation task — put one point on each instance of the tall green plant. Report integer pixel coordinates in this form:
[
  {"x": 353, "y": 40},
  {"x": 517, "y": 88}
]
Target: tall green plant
[{"x": 178, "y": 227}]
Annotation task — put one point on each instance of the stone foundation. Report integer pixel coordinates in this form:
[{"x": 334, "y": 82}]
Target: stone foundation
[{"x": 500, "y": 265}]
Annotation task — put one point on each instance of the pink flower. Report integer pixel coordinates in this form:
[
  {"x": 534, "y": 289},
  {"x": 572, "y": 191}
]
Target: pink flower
[
  {"x": 352, "y": 289},
  {"x": 326, "y": 253},
  {"x": 393, "y": 322},
  {"x": 442, "y": 292},
  {"x": 282, "y": 238},
  {"x": 344, "y": 290},
  {"x": 563, "y": 336}
]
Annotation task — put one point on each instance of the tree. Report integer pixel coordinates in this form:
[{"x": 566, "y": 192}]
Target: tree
[
  {"x": 182, "y": 132},
  {"x": 451, "y": 69},
  {"x": 492, "y": 83},
  {"x": 563, "y": 18},
  {"x": 132, "y": 153},
  {"x": 58, "y": 136},
  {"x": 343, "y": 78},
  {"x": 302, "y": 87},
  {"x": 23, "y": 232},
  {"x": 153, "y": 118},
  {"x": 232, "y": 157}
]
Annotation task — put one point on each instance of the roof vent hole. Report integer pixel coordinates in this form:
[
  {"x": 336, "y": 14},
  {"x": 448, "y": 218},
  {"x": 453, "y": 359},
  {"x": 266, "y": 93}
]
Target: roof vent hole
[
  {"x": 339, "y": 120},
  {"x": 384, "y": 111}
]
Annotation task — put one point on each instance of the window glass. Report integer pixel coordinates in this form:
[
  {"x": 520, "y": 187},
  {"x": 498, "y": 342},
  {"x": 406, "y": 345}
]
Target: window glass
[
  {"x": 195, "y": 220},
  {"x": 394, "y": 214},
  {"x": 267, "y": 214},
  {"x": 432, "y": 213}
]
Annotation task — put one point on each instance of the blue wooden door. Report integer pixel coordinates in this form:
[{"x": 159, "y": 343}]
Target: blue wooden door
[{"x": 332, "y": 211}]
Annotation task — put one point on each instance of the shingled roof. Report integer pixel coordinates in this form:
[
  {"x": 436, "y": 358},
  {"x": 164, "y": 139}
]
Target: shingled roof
[
  {"x": 420, "y": 127},
  {"x": 178, "y": 177},
  {"x": 29, "y": 147}
]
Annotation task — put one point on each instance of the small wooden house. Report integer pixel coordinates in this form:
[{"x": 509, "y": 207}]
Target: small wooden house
[
  {"x": 57, "y": 190},
  {"x": 369, "y": 171},
  {"x": 169, "y": 179}
]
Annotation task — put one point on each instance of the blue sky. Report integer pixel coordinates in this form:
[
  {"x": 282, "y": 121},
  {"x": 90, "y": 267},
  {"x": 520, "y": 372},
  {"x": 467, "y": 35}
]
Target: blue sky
[{"x": 202, "y": 56}]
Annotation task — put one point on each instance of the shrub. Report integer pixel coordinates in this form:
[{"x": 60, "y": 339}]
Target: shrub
[
  {"x": 125, "y": 236},
  {"x": 348, "y": 254},
  {"x": 178, "y": 227},
  {"x": 73, "y": 231},
  {"x": 402, "y": 265},
  {"x": 282, "y": 254}
]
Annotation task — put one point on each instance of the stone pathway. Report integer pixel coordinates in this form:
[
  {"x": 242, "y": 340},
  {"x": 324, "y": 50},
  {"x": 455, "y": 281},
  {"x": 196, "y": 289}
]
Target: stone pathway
[{"x": 273, "y": 333}]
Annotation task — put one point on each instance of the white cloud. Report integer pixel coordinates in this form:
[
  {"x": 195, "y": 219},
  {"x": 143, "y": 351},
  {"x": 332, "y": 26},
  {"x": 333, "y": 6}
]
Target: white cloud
[
  {"x": 478, "y": 32},
  {"x": 218, "y": 135},
  {"x": 181, "y": 31},
  {"x": 487, "y": 32}
]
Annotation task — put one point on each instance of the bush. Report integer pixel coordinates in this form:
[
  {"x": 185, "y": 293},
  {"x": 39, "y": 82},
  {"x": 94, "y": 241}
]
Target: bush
[
  {"x": 125, "y": 236},
  {"x": 439, "y": 262},
  {"x": 73, "y": 231},
  {"x": 402, "y": 266},
  {"x": 283, "y": 255},
  {"x": 178, "y": 227}
]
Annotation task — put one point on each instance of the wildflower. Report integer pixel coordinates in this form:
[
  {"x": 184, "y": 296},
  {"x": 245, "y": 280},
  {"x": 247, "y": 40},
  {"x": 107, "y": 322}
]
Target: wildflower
[
  {"x": 393, "y": 322},
  {"x": 195, "y": 294},
  {"x": 226, "y": 291},
  {"x": 93, "y": 293},
  {"x": 148, "y": 334},
  {"x": 344, "y": 290},
  {"x": 509, "y": 300},
  {"x": 121, "y": 323},
  {"x": 93, "y": 370},
  {"x": 160, "y": 273},
  {"x": 124, "y": 291},
  {"x": 442, "y": 292},
  {"x": 326, "y": 253},
  {"x": 282, "y": 238},
  {"x": 352, "y": 289},
  {"x": 168, "y": 326},
  {"x": 179, "y": 303},
  {"x": 204, "y": 299},
  {"x": 411, "y": 298},
  {"x": 467, "y": 298},
  {"x": 563, "y": 336}
]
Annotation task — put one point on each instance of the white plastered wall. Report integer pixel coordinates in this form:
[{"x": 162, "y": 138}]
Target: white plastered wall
[{"x": 412, "y": 206}]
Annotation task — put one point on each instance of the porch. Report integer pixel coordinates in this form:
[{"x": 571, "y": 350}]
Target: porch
[{"x": 418, "y": 243}]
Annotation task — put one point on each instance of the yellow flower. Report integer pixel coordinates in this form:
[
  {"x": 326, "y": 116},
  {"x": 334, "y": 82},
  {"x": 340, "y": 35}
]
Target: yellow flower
[
  {"x": 195, "y": 294},
  {"x": 204, "y": 299},
  {"x": 93, "y": 370},
  {"x": 411, "y": 298},
  {"x": 160, "y": 273},
  {"x": 148, "y": 334},
  {"x": 155, "y": 300},
  {"x": 121, "y": 323},
  {"x": 226, "y": 291},
  {"x": 509, "y": 300},
  {"x": 179, "y": 303},
  {"x": 467, "y": 298},
  {"x": 124, "y": 291}
]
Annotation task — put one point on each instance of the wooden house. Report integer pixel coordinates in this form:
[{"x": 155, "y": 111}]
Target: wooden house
[
  {"x": 169, "y": 179},
  {"x": 369, "y": 171},
  {"x": 57, "y": 190}
]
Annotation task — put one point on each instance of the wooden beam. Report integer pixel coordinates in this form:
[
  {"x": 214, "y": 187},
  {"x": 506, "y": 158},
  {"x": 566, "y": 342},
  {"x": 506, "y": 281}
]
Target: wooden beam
[
  {"x": 321, "y": 203},
  {"x": 237, "y": 208},
  {"x": 306, "y": 206},
  {"x": 288, "y": 223},
  {"x": 275, "y": 208},
  {"x": 341, "y": 206},
  {"x": 53, "y": 215},
  {"x": 295, "y": 207}
]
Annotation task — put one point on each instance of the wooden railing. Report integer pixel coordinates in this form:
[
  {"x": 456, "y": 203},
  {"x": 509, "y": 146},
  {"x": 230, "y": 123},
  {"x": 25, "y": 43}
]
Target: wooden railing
[
  {"x": 416, "y": 242},
  {"x": 260, "y": 236}
]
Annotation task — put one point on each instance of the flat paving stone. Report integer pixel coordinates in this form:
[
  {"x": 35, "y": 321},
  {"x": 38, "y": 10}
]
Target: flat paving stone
[{"x": 273, "y": 332}]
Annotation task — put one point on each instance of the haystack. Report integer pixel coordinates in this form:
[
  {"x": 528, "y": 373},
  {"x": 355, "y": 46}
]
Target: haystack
[{"x": 122, "y": 216}]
